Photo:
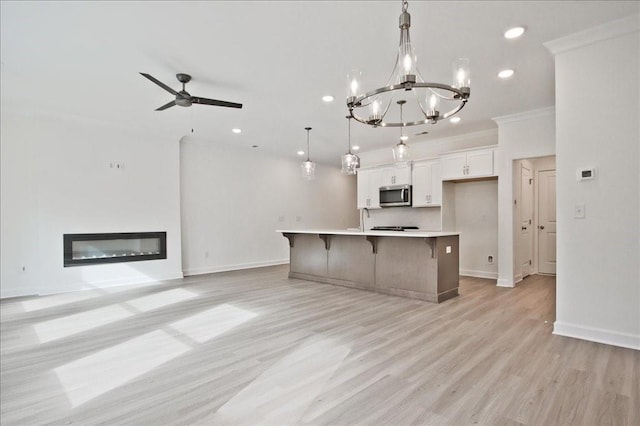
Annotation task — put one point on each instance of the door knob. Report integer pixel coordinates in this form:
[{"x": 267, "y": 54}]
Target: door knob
[
  {"x": 541, "y": 226},
  {"x": 524, "y": 228}
]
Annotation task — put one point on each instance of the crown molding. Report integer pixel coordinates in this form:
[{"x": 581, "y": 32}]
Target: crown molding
[
  {"x": 526, "y": 115},
  {"x": 610, "y": 30}
]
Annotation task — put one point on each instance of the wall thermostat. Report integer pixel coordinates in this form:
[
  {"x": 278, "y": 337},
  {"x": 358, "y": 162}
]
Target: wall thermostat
[{"x": 585, "y": 174}]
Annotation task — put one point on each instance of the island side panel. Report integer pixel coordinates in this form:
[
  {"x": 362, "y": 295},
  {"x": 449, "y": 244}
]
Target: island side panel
[
  {"x": 448, "y": 267},
  {"x": 351, "y": 260},
  {"x": 308, "y": 256},
  {"x": 404, "y": 267}
]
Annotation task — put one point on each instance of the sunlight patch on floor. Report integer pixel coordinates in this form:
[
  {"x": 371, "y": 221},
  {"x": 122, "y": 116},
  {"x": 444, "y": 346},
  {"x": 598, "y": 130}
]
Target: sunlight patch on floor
[
  {"x": 159, "y": 300},
  {"x": 284, "y": 392},
  {"x": 86, "y": 378},
  {"x": 45, "y": 302},
  {"x": 206, "y": 325},
  {"x": 59, "y": 328}
]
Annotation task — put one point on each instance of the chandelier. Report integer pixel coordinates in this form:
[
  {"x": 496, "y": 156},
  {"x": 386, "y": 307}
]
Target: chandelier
[
  {"x": 350, "y": 162},
  {"x": 372, "y": 107},
  {"x": 308, "y": 166}
]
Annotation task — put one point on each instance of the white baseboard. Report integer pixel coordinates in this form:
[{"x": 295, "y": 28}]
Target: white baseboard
[
  {"x": 18, "y": 293},
  {"x": 82, "y": 286},
  {"x": 478, "y": 274},
  {"x": 505, "y": 282},
  {"x": 224, "y": 268},
  {"x": 599, "y": 335}
]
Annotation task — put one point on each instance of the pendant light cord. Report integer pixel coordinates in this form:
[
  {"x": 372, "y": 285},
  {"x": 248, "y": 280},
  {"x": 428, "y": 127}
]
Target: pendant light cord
[{"x": 308, "y": 149}]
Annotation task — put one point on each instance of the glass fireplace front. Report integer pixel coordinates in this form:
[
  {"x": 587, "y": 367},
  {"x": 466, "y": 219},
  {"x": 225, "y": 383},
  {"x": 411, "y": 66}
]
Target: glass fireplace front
[{"x": 90, "y": 249}]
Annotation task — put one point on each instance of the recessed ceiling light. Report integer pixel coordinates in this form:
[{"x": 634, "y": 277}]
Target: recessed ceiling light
[
  {"x": 300, "y": 153},
  {"x": 236, "y": 130},
  {"x": 514, "y": 32},
  {"x": 328, "y": 98},
  {"x": 355, "y": 147},
  {"x": 454, "y": 120},
  {"x": 505, "y": 73}
]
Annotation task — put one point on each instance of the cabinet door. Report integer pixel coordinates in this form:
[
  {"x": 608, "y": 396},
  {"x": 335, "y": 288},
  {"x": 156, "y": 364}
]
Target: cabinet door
[
  {"x": 393, "y": 175},
  {"x": 374, "y": 189},
  {"x": 427, "y": 184},
  {"x": 368, "y": 189},
  {"x": 480, "y": 163},
  {"x": 387, "y": 176},
  {"x": 403, "y": 175},
  {"x": 363, "y": 188},
  {"x": 454, "y": 166},
  {"x": 421, "y": 184},
  {"x": 436, "y": 183}
]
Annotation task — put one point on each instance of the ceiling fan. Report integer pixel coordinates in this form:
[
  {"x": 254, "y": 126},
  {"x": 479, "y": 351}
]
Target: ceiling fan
[{"x": 183, "y": 98}]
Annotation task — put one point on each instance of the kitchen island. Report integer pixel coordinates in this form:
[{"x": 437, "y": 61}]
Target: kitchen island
[{"x": 417, "y": 264}]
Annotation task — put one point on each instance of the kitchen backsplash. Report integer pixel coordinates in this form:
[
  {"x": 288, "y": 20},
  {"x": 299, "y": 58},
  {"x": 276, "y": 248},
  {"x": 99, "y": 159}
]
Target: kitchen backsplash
[{"x": 427, "y": 219}]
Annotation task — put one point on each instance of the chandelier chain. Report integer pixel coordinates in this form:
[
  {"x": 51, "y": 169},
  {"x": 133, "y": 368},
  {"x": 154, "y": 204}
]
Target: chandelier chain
[{"x": 405, "y": 5}]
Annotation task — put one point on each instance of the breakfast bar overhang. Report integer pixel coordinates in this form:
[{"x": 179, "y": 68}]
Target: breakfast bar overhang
[{"x": 419, "y": 265}]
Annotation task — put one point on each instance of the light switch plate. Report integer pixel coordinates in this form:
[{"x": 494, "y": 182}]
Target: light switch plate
[{"x": 579, "y": 211}]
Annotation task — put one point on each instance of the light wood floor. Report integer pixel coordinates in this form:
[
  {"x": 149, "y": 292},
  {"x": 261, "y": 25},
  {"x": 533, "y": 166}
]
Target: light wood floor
[{"x": 254, "y": 347}]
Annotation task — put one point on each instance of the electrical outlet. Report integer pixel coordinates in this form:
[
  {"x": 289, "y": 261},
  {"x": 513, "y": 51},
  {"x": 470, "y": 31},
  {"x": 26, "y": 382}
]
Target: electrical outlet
[{"x": 579, "y": 211}]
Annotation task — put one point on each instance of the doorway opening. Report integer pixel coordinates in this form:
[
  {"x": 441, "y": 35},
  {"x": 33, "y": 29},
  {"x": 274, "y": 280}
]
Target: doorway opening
[{"x": 534, "y": 224}]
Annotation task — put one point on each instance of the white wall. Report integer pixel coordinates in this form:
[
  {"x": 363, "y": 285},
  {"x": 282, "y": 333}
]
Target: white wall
[
  {"x": 425, "y": 218},
  {"x": 524, "y": 135},
  {"x": 476, "y": 216},
  {"x": 233, "y": 200},
  {"x": 56, "y": 179},
  {"x": 597, "y": 110}
]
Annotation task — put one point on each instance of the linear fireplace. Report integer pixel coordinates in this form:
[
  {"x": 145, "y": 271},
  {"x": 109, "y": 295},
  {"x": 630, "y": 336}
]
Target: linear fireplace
[{"x": 91, "y": 249}]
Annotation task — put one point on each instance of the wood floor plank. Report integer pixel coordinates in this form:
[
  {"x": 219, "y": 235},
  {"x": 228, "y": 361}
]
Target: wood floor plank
[{"x": 255, "y": 347}]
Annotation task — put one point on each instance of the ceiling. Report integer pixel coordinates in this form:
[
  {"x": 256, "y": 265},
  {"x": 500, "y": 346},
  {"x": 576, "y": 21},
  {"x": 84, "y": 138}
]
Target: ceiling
[{"x": 83, "y": 59}]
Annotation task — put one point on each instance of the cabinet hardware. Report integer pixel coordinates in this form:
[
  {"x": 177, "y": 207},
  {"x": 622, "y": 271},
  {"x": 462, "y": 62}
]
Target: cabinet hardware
[
  {"x": 524, "y": 228},
  {"x": 541, "y": 227}
]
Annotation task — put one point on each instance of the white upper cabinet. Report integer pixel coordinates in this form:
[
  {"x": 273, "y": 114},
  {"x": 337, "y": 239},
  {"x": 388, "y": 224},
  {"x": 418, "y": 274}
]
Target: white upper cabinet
[
  {"x": 467, "y": 164},
  {"x": 427, "y": 183},
  {"x": 369, "y": 188},
  {"x": 393, "y": 175}
]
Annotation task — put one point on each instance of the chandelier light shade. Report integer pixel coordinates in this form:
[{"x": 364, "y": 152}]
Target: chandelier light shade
[
  {"x": 401, "y": 150},
  {"x": 308, "y": 166},
  {"x": 427, "y": 99},
  {"x": 350, "y": 162}
]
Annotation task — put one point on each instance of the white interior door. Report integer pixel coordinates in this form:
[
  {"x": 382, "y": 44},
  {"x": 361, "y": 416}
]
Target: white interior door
[
  {"x": 526, "y": 220},
  {"x": 547, "y": 222}
]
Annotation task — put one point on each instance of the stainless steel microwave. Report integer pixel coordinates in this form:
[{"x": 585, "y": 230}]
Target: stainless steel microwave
[{"x": 394, "y": 196}]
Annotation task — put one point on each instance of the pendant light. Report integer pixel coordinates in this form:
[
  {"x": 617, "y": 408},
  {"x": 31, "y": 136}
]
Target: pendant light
[
  {"x": 308, "y": 166},
  {"x": 401, "y": 150},
  {"x": 350, "y": 162}
]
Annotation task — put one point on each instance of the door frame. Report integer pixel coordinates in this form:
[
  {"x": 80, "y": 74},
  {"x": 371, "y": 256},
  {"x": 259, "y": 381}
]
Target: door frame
[{"x": 544, "y": 163}]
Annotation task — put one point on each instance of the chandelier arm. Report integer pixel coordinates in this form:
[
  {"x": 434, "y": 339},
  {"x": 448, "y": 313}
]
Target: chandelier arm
[
  {"x": 357, "y": 102},
  {"x": 419, "y": 103}
]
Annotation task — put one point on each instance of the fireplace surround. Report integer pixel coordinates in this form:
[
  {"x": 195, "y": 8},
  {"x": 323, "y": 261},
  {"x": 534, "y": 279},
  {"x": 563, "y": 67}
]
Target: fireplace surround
[{"x": 92, "y": 249}]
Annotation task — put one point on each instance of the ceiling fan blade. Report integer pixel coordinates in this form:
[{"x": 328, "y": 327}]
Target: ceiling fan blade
[
  {"x": 205, "y": 101},
  {"x": 159, "y": 83},
  {"x": 165, "y": 106}
]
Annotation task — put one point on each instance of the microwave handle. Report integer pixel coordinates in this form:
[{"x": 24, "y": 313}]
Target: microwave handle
[{"x": 402, "y": 194}]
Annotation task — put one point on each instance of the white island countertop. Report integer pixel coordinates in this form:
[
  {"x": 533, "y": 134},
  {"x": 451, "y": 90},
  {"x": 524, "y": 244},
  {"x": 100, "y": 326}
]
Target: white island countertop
[{"x": 415, "y": 233}]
